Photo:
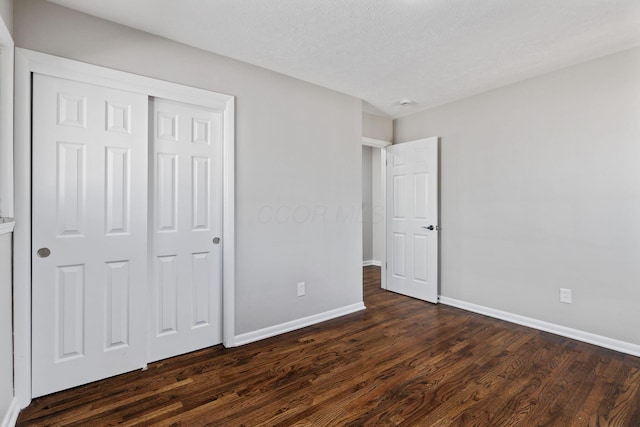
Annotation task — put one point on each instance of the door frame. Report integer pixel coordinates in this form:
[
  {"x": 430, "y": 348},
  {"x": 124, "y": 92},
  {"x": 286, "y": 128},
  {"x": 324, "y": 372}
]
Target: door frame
[
  {"x": 382, "y": 145},
  {"x": 6, "y": 122},
  {"x": 28, "y": 62}
]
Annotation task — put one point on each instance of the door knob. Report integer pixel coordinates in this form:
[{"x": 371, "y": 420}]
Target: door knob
[
  {"x": 431, "y": 227},
  {"x": 216, "y": 240},
  {"x": 43, "y": 252}
]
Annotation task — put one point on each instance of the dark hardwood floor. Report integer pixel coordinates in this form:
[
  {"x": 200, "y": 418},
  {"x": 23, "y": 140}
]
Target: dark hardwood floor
[{"x": 400, "y": 362}]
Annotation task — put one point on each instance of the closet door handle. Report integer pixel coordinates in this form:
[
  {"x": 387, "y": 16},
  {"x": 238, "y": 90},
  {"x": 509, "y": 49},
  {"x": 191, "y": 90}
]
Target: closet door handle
[{"x": 44, "y": 252}]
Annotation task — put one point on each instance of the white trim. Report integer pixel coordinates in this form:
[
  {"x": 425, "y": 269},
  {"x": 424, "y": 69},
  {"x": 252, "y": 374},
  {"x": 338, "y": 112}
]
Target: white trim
[
  {"x": 11, "y": 417},
  {"x": 599, "y": 340},
  {"x": 228, "y": 229},
  {"x": 28, "y": 62},
  {"x": 370, "y": 142},
  {"x": 22, "y": 233},
  {"x": 6, "y": 121},
  {"x": 383, "y": 184},
  {"x": 282, "y": 328},
  {"x": 372, "y": 262},
  {"x": 55, "y": 66},
  {"x": 6, "y": 225}
]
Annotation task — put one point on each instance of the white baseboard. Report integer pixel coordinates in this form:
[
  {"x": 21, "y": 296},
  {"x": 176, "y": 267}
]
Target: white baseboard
[
  {"x": 599, "y": 340},
  {"x": 372, "y": 262},
  {"x": 11, "y": 417},
  {"x": 282, "y": 328}
]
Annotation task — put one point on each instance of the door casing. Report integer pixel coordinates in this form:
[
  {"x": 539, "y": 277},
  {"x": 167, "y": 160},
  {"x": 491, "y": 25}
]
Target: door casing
[{"x": 28, "y": 62}]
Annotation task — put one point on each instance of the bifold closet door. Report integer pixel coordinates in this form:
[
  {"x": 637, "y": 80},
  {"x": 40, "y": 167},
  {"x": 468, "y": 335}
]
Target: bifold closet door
[
  {"x": 186, "y": 246},
  {"x": 89, "y": 233}
]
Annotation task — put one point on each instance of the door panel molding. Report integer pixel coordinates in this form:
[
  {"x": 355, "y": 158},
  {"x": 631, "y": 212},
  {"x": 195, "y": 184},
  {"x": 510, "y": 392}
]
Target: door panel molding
[{"x": 28, "y": 62}]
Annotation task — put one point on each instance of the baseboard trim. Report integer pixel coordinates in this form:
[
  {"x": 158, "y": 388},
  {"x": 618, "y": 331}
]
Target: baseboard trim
[
  {"x": 282, "y": 328},
  {"x": 599, "y": 340},
  {"x": 372, "y": 262},
  {"x": 11, "y": 417}
]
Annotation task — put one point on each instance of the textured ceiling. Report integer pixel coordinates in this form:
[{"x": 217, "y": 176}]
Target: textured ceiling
[{"x": 431, "y": 51}]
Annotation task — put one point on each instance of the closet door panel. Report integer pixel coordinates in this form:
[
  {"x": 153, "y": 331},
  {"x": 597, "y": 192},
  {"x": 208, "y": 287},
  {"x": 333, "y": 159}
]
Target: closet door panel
[
  {"x": 186, "y": 188},
  {"x": 89, "y": 233}
]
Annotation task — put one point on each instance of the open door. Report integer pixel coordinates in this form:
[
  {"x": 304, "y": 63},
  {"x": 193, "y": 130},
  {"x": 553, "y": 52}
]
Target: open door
[{"x": 412, "y": 219}]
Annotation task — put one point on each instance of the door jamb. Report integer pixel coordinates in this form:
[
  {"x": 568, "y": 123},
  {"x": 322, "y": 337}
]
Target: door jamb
[
  {"x": 28, "y": 62},
  {"x": 6, "y": 121},
  {"x": 382, "y": 145}
]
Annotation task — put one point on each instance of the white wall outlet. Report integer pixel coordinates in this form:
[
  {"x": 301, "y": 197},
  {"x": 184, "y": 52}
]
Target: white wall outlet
[
  {"x": 301, "y": 289},
  {"x": 565, "y": 295}
]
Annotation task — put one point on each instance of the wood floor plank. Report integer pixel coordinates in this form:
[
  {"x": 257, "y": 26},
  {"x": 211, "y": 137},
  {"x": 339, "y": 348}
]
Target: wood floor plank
[{"x": 400, "y": 362}]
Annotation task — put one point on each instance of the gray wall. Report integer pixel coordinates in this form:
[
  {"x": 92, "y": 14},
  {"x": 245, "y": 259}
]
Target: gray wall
[
  {"x": 377, "y": 127},
  {"x": 541, "y": 190},
  {"x": 372, "y": 205},
  {"x": 377, "y": 206},
  {"x": 298, "y": 162},
  {"x": 6, "y": 12},
  {"x": 6, "y": 336},
  {"x": 367, "y": 205}
]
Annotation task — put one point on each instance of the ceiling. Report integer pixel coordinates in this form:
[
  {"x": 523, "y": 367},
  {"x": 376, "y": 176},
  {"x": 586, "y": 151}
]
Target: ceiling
[{"x": 382, "y": 51}]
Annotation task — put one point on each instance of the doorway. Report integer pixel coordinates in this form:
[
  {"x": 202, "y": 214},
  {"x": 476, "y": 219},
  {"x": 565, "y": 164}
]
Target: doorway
[
  {"x": 372, "y": 207},
  {"x": 373, "y": 204},
  {"x": 409, "y": 261}
]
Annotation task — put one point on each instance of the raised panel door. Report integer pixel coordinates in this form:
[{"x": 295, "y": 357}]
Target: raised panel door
[
  {"x": 89, "y": 233},
  {"x": 186, "y": 283},
  {"x": 412, "y": 219}
]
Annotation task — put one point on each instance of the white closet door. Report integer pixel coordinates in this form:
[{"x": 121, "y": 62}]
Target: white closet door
[
  {"x": 89, "y": 259},
  {"x": 186, "y": 263}
]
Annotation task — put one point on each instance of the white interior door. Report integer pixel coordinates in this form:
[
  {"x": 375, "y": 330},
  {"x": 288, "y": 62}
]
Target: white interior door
[
  {"x": 412, "y": 219},
  {"x": 89, "y": 228},
  {"x": 186, "y": 252}
]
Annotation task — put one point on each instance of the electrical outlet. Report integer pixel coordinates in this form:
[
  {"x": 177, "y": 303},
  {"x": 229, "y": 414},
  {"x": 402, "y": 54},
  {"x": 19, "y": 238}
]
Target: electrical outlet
[
  {"x": 301, "y": 289},
  {"x": 565, "y": 295}
]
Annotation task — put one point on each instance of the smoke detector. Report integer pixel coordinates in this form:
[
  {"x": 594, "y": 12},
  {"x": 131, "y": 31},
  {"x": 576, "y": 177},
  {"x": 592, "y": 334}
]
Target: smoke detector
[{"x": 405, "y": 102}]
